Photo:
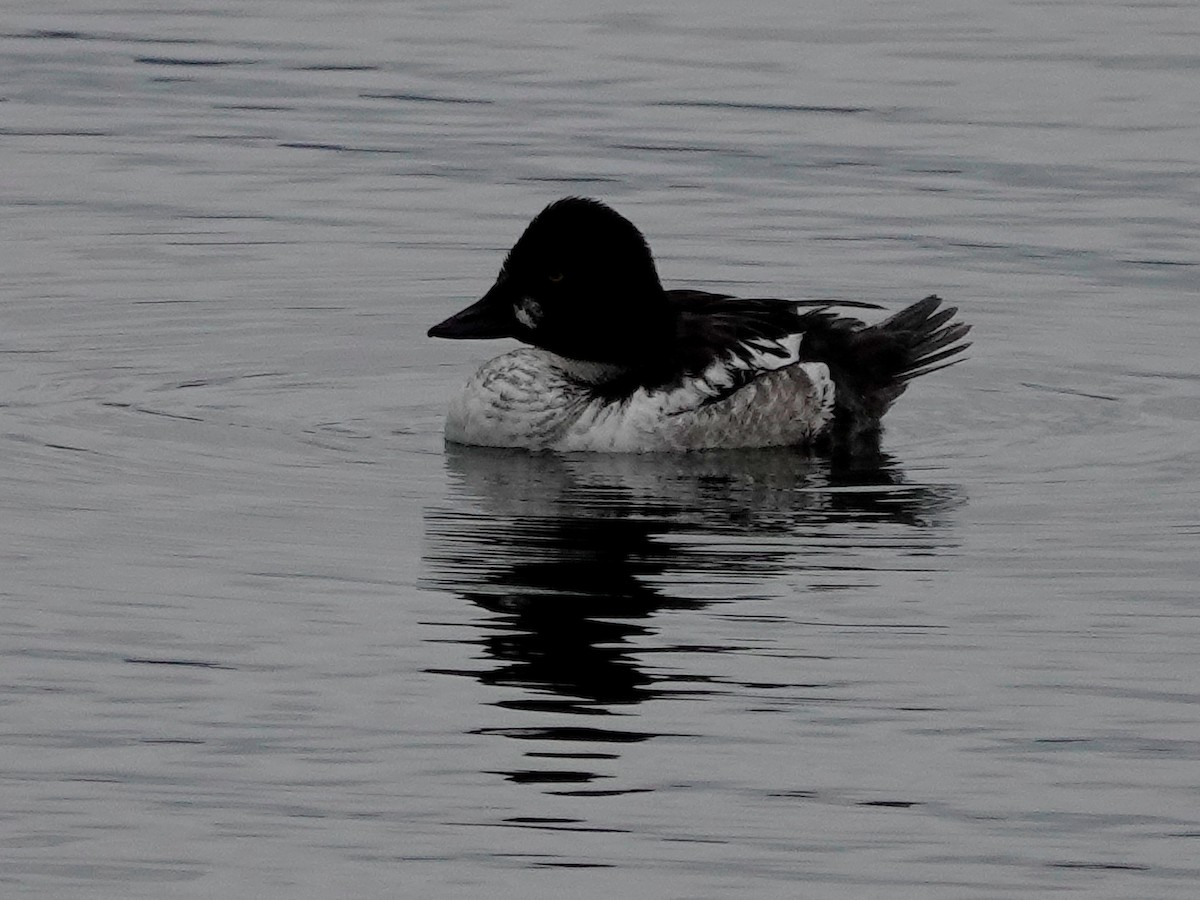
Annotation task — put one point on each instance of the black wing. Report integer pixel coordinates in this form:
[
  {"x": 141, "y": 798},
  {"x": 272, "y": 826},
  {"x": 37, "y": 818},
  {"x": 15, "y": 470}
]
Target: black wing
[{"x": 719, "y": 326}]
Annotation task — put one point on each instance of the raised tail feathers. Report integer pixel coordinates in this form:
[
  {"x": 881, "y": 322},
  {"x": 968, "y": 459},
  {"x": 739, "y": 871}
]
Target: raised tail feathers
[
  {"x": 872, "y": 365},
  {"x": 919, "y": 339},
  {"x": 928, "y": 342}
]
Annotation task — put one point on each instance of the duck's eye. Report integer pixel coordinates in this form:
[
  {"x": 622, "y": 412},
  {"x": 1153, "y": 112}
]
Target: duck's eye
[{"x": 554, "y": 277}]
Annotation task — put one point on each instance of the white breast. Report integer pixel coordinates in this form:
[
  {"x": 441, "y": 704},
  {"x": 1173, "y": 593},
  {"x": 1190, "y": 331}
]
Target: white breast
[{"x": 537, "y": 400}]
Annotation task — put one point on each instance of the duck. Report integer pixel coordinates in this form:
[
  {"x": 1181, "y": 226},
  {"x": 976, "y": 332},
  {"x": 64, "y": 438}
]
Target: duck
[{"x": 616, "y": 363}]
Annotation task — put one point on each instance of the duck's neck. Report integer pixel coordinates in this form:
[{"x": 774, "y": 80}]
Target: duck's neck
[{"x": 592, "y": 374}]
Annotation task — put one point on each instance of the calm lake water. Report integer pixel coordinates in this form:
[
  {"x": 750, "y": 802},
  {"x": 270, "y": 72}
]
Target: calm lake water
[{"x": 263, "y": 635}]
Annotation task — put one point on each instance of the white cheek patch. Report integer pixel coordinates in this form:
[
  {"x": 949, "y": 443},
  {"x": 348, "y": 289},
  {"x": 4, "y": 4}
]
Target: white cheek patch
[{"x": 528, "y": 312}]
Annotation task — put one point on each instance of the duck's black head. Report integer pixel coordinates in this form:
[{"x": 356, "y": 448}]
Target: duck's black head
[{"x": 579, "y": 282}]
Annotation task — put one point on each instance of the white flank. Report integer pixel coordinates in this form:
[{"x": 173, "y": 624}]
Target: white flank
[{"x": 540, "y": 401}]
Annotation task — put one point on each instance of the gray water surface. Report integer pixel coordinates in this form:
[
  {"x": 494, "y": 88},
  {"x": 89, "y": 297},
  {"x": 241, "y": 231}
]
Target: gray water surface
[{"x": 263, "y": 635}]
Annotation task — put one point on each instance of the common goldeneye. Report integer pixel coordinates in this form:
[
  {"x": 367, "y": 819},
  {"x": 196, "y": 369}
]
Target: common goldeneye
[{"x": 619, "y": 364}]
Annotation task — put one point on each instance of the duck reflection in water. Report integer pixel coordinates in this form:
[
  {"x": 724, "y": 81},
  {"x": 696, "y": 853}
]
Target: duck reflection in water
[{"x": 572, "y": 555}]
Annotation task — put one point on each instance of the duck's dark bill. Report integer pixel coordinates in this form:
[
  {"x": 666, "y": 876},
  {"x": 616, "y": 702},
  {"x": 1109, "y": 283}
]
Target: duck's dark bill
[{"x": 491, "y": 317}]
